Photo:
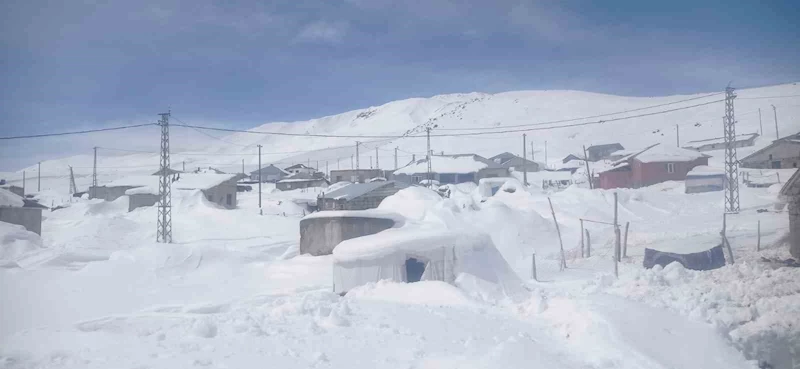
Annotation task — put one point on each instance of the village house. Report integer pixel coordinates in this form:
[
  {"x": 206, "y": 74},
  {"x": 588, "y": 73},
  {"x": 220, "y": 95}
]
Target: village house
[
  {"x": 510, "y": 161},
  {"x": 570, "y": 157},
  {"x": 300, "y": 168},
  {"x": 790, "y": 192},
  {"x": 142, "y": 191},
  {"x": 782, "y": 153},
  {"x": 718, "y": 143},
  {"x": 600, "y": 152},
  {"x": 655, "y": 164},
  {"x": 450, "y": 169},
  {"x": 358, "y": 196},
  {"x": 15, "y": 209},
  {"x": 356, "y": 175},
  {"x": 269, "y": 173},
  {"x": 301, "y": 180}
]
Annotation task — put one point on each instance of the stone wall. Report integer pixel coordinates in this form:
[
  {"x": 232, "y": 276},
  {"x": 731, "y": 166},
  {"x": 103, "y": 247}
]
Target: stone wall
[
  {"x": 30, "y": 218},
  {"x": 319, "y": 236}
]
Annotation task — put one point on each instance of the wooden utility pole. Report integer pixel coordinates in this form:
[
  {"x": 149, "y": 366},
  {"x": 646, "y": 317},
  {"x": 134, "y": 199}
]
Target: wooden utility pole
[
  {"x": 761, "y": 127},
  {"x": 563, "y": 264},
  {"x": 533, "y": 267},
  {"x": 260, "y": 210},
  {"x": 616, "y": 238},
  {"x": 395, "y": 158},
  {"x": 93, "y": 189},
  {"x": 23, "y": 183},
  {"x": 677, "y": 135},
  {"x": 377, "y": 160},
  {"x": 358, "y": 166},
  {"x": 588, "y": 244},
  {"x": 625, "y": 242},
  {"x": 39, "y": 185},
  {"x": 588, "y": 174},
  {"x": 775, "y": 111},
  {"x": 184, "y": 166},
  {"x": 758, "y": 242},
  {"x": 524, "y": 161}
]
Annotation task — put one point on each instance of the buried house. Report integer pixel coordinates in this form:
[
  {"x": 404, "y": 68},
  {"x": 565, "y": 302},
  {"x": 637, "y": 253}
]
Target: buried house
[
  {"x": 322, "y": 231},
  {"x": 412, "y": 254},
  {"x": 142, "y": 191}
]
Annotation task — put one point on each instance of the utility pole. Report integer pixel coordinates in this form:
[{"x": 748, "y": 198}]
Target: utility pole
[
  {"x": 164, "y": 222},
  {"x": 428, "y": 153},
  {"x": 260, "y": 211},
  {"x": 23, "y": 183},
  {"x": 588, "y": 174},
  {"x": 731, "y": 163},
  {"x": 351, "y": 161},
  {"x": 184, "y": 165},
  {"x": 395, "y": 158},
  {"x": 545, "y": 155},
  {"x": 677, "y": 135},
  {"x": 327, "y": 172},
  {"x": 532, "y": 155},
  {"x": 72, "y": 187},
  {"x": 761, "y": 127},
  {"x": 775, "y": 111},
  {"x": 93, "y": 192},
  {"x": 358, "y": 165},
  {"x": 524, "y": 160},
  {"x": 370, "y": 162},
  {"x": 377, "y": 161},
  {"x": 39, "y": 185},
  {"x": 317, "y": 168}
]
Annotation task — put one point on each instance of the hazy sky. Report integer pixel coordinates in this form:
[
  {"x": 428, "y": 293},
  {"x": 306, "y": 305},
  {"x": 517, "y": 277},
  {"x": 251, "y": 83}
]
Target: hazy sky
[{"x": 76, "y": 64}]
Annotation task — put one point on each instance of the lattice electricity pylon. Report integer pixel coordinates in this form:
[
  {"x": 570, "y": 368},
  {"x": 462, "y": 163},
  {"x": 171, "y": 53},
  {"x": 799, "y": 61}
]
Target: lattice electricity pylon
[
  {"x": 72, "y": 187},
  {"x": 164, "y": 232},
  {"x": 731, "y": 162}
]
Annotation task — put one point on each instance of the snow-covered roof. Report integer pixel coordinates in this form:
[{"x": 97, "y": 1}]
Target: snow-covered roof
[
  {"x": 201, "y": 181},
  {"x": 666, "y": 153},
  {"x": 445, "y": 164},
  {"x": 270, "y": 168},
  {"x": 572, "y": 164},
  {"x": 135, "y": 181},
  {"x": 8, "y": 198},
  {"x": 547, "y": 175},
  {"x": 293, "y": 180},
  {"x": 720, "y": 140},
  {"x": 355, "y": 190},
  {"x": 404, "y": 241},
  {"x": 398, "y": 219},
  {"x": 704, "y": 170}
]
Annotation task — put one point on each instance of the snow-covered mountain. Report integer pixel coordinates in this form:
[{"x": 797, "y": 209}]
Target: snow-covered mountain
[{"x": 456, "y": 113}]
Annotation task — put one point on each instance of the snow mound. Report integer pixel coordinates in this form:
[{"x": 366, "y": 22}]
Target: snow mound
[
  {"x": 16, "y": 241},
  {"x": 434, "y": 293},
  {"x": 118, "y": 206},
  {"x": 412, "y": 202},
  {"x": 7, "y": 198},
  {"x": 337, "y": 186}
]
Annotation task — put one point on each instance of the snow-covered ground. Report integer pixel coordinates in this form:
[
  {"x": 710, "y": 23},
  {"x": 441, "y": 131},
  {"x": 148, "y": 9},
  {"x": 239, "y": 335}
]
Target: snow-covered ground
[{"x": 96, "y": 290}]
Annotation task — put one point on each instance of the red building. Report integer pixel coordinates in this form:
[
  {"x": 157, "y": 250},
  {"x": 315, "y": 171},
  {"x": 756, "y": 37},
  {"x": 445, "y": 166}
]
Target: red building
[{"x": 655, "y": 164}]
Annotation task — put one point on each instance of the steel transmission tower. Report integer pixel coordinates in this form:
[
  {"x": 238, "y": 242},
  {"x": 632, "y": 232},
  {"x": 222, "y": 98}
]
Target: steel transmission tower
[
  {"x": 164, "y": 233},
  {"x": 731, "y": 163},
  {"x": 72, "y": 187},
  {"x": 430, "y": 182}
]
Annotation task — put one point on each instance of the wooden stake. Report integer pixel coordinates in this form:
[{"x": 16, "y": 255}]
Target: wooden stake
[
  {"x": 583, "y": 253},
  {"x": 560, "y": 241},
  {"x": 758, "y": 244},
  {"x": 725, "y": 242},
  {"x": 533, "y": 267},
  {"x": 625, "y": 244},
  {"x": 588, "y": 245}
]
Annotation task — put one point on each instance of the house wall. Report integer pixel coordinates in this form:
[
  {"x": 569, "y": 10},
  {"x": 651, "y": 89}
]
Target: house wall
[
  {"x": 617, "y": 179},
  {"x": 355, "y": 176},
  {"x": 108, "y": 193},
  {"x": 491, "y": 173},
  {"x": 646, "y": 174},
  {"x": 319, "y": 236},
  {"x": 286, "y": 186},
  {"x": 786, "y": 153},
  {"x": 141, "y": 200},
  {"x": 220, "y": 193},
  {"x": 15, "y": 190},
  {"x": 30, "y": 218},
  {"x": 794, "y": 226}
]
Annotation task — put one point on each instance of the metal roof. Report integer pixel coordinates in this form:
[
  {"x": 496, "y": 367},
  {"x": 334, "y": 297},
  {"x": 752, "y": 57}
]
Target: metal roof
[{"x": 358, "y": 189}]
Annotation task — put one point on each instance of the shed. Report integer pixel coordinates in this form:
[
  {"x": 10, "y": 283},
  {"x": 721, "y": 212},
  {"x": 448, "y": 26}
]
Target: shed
[
  {"x": 703, "y": 178},
  {"x": 508, "y": 160},
  {"x": 15, "y": 209},
  {"x": 359, "y": 196},
  {"x": 270, "y": 173},
  {"x": 320, "y": 232},
  {"x": 117, "y": 188},
  {"x": 782, "y": 153},
  {"x": 790, "y": 192},
  {"x": 451, "y": 169},
  {"x": 413, "y": 254},
  {"x": 571, "y": 157},
  {"x": 600, "y": 152}
]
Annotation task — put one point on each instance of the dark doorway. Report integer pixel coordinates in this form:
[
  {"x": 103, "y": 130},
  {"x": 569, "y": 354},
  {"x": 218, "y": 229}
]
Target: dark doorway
[{"x": 414, "y": 270}]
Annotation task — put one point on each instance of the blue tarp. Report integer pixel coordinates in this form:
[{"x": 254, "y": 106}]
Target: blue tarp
[{"x": 705, "y": 260}]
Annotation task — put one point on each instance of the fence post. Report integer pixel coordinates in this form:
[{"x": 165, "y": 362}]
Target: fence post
[
  {"x": 625, "y": 244},
  {"x": 560, "y": 241},
  {"x": 758, "y": 244},
  {"x": 616, "y": 238},
  {"x": 588, "y": 245},
  {"x": 583, "y": 253},
  {"x": 533, "y": 267},
  {"x": 725, "y": 242}
]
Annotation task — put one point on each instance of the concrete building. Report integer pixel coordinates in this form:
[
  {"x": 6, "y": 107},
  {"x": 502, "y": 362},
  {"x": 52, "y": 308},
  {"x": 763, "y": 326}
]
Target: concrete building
[
  {"x": 117, "y": 188},
  {"x": 356, "y": 175},
  {"x": 718, "y": 143},
  {"x": 655, "y": 164},
  {"x": 16, "y": 210},
  {"x": 450, "y": 169},
  {"x": 782, "y": 153},
  {"x": 600, "y": 152},
  {"x": 269, "y": 173},
  {"x": 705, "y": 179},
  {"x": 320, "y": 232},
  {"x": 217, "y": 188},
  {"x": 508, "y": 160},
  {"x": 300, "y": 168},
  {"x": 301, "y": 180},
  {"x": 358, "y": 196},
  {"x": 143, "y": 190},
  {"x": 790, "y": 192}
]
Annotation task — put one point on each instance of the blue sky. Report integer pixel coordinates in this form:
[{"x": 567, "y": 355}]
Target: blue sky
[{"x": 243, "y": 63}]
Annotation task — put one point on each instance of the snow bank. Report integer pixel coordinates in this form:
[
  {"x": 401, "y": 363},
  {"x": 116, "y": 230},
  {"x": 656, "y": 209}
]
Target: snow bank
[
  {"x": 8, "y": 198},
  {"x": 435, "y": 293},
  {"x": 201, "y": 181},
  {"x": 16, "y": 241},
  {"x": 411, "y": 202},
  {"x": 398, "y": 219}
]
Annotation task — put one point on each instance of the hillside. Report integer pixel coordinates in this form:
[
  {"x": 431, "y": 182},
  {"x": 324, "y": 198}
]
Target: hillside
[{"x": 456, "y": 113}]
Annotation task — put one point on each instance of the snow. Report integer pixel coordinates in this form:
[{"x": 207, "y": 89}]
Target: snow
[
  {"x": 369, "y": 213},
  {"x": 718, "y": 140},
  {"x": 354, "y": 190},
  {"x": 666, "y": 153},
  {"x": 15, "y": 242},
  {"x": 294, "y": 180},
  {"x": 134, "y": 181},
  {"x": 201, "y": 181},
  {"x": 704, "y": 170},
  {"x": 8, "y": 198},
  {"x": 411, "y": 202},
  {"x": 445, "y": 164}
]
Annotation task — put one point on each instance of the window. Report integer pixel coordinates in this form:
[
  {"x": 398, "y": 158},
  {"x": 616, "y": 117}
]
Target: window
[
  {"x": 770, "y": 156},
  {"x": 670, "y": 167},
  {"x": 229, "y": 199},
  {"x": 416, "y": 179}
]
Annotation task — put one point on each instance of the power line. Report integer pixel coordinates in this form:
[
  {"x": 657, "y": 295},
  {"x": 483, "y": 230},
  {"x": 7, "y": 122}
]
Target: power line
[
  {"x": 582, "y": 118},
  {"x": 76, "y": 132}
]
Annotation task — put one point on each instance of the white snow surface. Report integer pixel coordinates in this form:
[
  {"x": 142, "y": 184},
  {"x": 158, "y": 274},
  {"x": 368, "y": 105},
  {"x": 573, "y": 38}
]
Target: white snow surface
[
  {"x": 445, "y": 164},
  {"x": 203, "y": 181},
  {"x": 705, "y": 170},
  {"x": 667, "y": 153},
  {"x": 8, "y": 198},
  {"x": 411, "y": 202},
  {"x": 15, "y": 242}
]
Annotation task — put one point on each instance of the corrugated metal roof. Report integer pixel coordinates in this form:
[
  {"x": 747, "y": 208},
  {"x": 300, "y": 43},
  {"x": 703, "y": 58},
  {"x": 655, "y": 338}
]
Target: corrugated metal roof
[{"x": 357, "y": 189}]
